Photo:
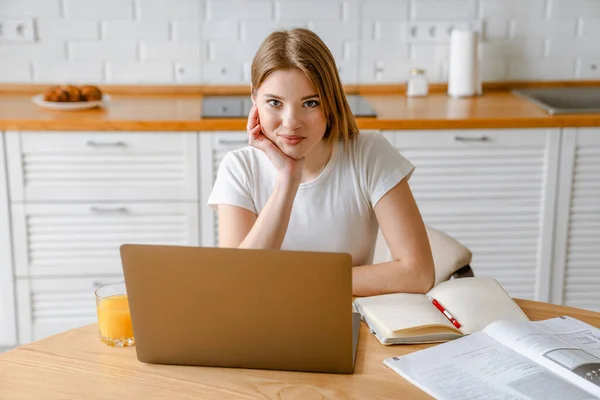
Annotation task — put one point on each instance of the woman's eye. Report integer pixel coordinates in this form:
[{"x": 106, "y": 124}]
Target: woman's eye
[
  {"x": 274, "y": 103},
  {"x": 312, "y": 103}
]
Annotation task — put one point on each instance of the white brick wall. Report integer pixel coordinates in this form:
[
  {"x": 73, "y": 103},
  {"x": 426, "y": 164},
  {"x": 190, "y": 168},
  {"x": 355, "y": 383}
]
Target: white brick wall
[
  {"x": 139, "y": 72},
  {"x": 589, "y": 67},
  {"x": 590, "y": 27},
  {"x": 538, "y": 28},
  {"x": 30, "y": 8},
  {"x": 444, "y": 9},
  {"x": 102, "y": 50},
  {"x": 66, "y": 29},
  {"x": 536, "y": 69},
  {"x": 508, "y": 9},
  {"x": 169, "y": 9},
  {"x": 170, "y": 51},
  {"x": 226, "y": 10},
  {"x": 135, "y": 30},
  {"x": 305, "y": 9},
  {"x": 573, "y": 8},
  {"x": 93, "y": 9},
  {"x": 186, "y": 31},
  {"x": 15, "y": 71},
  {"x": 68, "y": 71},
  {"x": 213, "y": 41}
]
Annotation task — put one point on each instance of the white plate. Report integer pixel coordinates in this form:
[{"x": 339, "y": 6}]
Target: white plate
[{"x": 69, "y": 106}]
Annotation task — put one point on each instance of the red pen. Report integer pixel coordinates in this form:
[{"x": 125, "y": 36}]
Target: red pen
[{"x": 445, "y": 312}]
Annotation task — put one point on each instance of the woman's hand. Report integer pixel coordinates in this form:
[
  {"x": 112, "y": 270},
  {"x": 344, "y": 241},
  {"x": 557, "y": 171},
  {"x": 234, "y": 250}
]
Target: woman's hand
[{"x": 287, "y": 167}]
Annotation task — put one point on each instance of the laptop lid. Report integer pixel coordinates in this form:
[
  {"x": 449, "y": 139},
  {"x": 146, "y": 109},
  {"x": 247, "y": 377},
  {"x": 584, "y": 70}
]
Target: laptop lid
[{"x": 269, "y": 309}]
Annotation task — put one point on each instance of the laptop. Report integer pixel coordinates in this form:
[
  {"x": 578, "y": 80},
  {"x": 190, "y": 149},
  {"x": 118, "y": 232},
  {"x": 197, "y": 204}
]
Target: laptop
[{"x": 241, "y": 308}]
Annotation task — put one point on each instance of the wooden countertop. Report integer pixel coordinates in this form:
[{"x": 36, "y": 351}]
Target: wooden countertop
[
  {"x": 76, "y": 365},
  {"x": 181, "y": 112}
]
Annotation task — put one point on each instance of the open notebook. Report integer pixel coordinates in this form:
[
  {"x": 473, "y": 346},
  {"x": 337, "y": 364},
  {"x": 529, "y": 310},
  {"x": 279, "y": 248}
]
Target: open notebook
[{"x": 412, "y": 318}]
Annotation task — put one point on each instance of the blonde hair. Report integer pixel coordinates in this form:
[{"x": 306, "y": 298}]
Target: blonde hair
[{"x": 303, "y": 49}]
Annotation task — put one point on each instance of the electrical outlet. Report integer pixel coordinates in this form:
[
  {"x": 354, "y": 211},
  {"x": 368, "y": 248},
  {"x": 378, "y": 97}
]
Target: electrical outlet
[
  {"x": 438, "y": 31},
  {"x": 17, "y": 30}
]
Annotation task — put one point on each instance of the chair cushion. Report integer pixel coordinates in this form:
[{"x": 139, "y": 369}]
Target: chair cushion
[{"x": 449, "y": 255}]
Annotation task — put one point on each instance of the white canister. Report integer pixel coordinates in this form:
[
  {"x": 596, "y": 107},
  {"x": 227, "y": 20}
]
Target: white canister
[{"x": 417, "y": 84}]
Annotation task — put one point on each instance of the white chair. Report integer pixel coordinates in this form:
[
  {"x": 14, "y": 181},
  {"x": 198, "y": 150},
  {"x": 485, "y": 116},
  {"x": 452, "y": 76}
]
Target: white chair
[{"x": 451, "y": 259}]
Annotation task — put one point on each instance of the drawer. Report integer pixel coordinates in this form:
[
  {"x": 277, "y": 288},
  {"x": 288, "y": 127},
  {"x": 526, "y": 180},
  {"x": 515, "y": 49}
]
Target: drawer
[
  {"x": 84, "y": 239},
  {"x": 102, "y": 166},
  {"x": 473, "y": 138},
  {"x": 49, "y": 306},
  {"x": 226, "y": 141},
  {"x": 485, "y": 165},
  {"x": 223, "y": 107}
]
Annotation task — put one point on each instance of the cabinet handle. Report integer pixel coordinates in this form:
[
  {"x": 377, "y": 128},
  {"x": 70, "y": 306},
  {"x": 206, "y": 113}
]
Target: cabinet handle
[
  {"x": 92, "y": 143},
  {"x": 97, "y": 284},
  {"x": 471, "y": 139},
  {"x": 232, "y": 142},
  {"x": 108, "y": 209}
]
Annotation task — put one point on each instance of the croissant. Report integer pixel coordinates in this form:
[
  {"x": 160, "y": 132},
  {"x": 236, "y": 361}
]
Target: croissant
[
  {"x": 74, "y": 92},
  {"x": 90, "y": 93},
  {"x": 56, "y": 94}
]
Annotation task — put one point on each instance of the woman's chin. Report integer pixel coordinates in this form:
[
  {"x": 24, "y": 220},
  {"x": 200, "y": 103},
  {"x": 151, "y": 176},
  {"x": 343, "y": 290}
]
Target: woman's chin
[{"x": 295, "y": 151}]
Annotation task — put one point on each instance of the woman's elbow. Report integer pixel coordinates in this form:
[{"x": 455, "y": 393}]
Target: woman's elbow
[{"x": 423, "y": 275}]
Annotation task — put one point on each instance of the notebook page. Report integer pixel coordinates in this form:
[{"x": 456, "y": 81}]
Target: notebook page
[
  {"x": 400, "y": 311},
  {"x": 476, "y": 302}
]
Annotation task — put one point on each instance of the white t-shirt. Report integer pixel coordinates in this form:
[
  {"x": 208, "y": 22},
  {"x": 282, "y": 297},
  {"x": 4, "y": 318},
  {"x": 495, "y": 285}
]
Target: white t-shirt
[{"x": 335, "y": 211}]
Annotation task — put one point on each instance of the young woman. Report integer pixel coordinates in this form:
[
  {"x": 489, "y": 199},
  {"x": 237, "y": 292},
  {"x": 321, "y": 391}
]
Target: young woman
[{"x": 309, "y": 181}]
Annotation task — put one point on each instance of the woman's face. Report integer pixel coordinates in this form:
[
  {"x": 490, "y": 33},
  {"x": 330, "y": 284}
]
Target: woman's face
[{"x": 290, "y": 112}]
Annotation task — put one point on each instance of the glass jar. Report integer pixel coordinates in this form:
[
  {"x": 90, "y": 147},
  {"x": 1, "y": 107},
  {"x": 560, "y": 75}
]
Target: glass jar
[{"x": 417, "y": 84}]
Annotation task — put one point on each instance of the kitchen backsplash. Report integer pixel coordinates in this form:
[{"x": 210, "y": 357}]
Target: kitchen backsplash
[{"x": 213, "y": 41}]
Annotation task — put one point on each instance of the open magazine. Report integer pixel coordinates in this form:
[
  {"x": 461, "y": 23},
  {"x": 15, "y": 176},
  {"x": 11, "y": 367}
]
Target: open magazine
[{"x": 558, "y": 358}]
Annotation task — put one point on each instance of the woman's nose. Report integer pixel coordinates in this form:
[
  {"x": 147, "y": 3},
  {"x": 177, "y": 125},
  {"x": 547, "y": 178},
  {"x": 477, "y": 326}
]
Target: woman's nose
[{"x": 290, "y": 119}]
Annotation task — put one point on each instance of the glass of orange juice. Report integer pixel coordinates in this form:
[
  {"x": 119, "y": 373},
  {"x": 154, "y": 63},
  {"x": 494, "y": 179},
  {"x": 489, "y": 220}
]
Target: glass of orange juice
[{"x": 114, "y": 319}]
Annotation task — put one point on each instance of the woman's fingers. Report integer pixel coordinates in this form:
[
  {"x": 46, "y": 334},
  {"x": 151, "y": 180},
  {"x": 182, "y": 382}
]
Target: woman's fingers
[
  {"x": 257, "y": 139},
  {"x": 253, "y": 133},
  {"x": 252, "y": 118}
]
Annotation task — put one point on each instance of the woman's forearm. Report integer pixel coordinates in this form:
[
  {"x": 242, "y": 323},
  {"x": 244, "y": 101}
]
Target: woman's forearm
[
  {"x": 272, "y": 223},
  {"x": 392, "y": 277}
]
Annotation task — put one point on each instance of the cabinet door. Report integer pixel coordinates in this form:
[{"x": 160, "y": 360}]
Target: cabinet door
[
  {"x": 84, "y": 239},
  {"x": 213, "y": 147},
  {"x": 8, "y": 331},
  {"x": 53, "y": 305},
  {"x": 493, "y": 191},
  {"x": 577, "y": 248},
  {"x": 99, "y": 166}
]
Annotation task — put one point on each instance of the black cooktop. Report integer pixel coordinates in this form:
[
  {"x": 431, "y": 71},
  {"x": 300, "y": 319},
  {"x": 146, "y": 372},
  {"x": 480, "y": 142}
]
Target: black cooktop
[{"x": 239, "y": 106}]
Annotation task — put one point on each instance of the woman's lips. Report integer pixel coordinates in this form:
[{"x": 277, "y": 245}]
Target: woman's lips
[{"x": 291, "y": 139}]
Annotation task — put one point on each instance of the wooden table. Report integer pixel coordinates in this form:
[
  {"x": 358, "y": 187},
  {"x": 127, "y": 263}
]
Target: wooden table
[{"x": 76, "y": 365}]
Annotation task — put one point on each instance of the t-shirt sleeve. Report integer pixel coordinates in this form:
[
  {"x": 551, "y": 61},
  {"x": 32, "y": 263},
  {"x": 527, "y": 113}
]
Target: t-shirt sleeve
[
  {"x": 384, "y": 166},
  {"x": 232, "y": 185}
]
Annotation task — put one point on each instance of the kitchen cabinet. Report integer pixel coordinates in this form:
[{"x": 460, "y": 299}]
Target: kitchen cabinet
[
  {"x": 83, "y": 239},
  {"x": 494, "y": 191},
  {"x": 102, "y": 166},
  {"x": 212, "y": 148},
  {"x": 51, "y": 305},
  {"x": 577, "y": 247},
  {"x": 75, "y": 198},
  {"x": 8, "y": 333},
  {"x": 525, "y": 201}
]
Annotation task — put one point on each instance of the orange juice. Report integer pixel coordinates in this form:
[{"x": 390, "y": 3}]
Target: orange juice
[{"x": 114, "y": 320}]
